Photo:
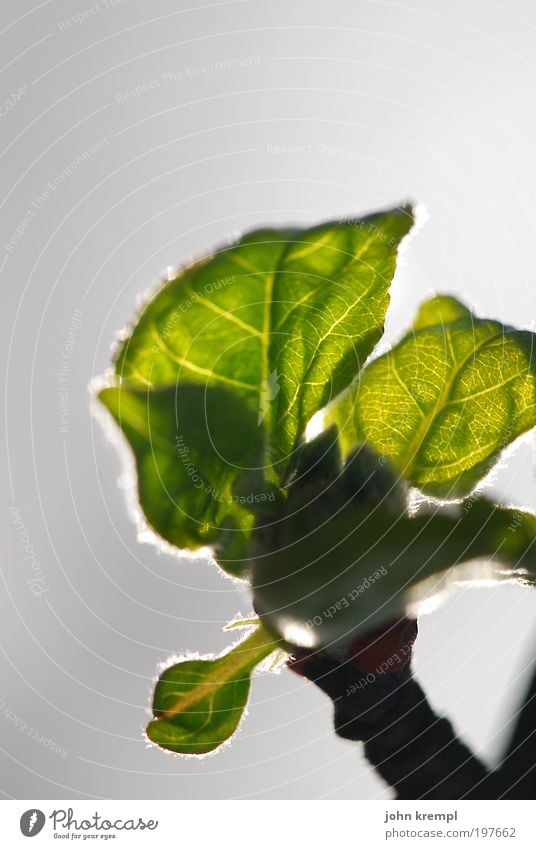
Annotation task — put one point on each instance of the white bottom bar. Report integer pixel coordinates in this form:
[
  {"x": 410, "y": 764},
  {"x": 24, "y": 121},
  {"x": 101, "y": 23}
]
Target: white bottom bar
[{"x": 265, "y": 824}]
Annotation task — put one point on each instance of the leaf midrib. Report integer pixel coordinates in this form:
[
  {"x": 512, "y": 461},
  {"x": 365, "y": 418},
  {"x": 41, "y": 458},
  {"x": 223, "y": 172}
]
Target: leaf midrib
[
  {"x": 245, "y": 655},
  {"x": 426, "y": 423}
]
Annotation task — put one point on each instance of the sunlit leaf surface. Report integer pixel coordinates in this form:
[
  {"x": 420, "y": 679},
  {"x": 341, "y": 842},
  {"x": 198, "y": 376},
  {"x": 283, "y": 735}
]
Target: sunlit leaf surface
[
  {"x": 447, "y": 399},
  {"x": 198, "y": 704},
  {"x": 283, "y": 318},
  {"x": 197, "y": 451}
]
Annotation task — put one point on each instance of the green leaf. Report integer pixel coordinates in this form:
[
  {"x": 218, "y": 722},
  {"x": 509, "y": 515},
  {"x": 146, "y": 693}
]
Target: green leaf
[
  {"x": 359, "y": 568},
  {"x": 198, "y": 704},
  {"x": 284, "y": 319},
  {"x": 197, "y": 452},
  {"x": 446, "y": 400},
  {"x": 341, "y": 414}
]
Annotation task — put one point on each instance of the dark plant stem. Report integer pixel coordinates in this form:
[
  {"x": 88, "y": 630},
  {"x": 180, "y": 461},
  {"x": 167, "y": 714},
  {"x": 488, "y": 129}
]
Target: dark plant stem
[
  {"x": 518, "y": 767},
  {"x": 415, "y": 751},
  {"x": 418, "y": 754}
]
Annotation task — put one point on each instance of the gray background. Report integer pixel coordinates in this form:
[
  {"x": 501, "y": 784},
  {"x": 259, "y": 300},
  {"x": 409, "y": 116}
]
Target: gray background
[{"x": 433, "y": 101}]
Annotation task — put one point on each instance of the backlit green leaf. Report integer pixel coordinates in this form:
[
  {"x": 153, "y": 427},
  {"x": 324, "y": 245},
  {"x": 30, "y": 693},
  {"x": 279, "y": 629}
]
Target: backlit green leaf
[
  {"x": 198, "y": 704},
  {"x": 447, "y": 399},
  {"x": 197, "y": 452},
  {"x": 360, "y": 567},
  {"x": 284, "y": 319}
]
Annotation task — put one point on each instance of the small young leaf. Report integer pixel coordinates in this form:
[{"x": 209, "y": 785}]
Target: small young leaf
[
  {"x": 284, "y": 318},
  {"x": 197, "y": 452},
  {"x": 198, "y": 704},
  {"x": 447, "y": 399},
  {"x": 360, "y": 567}
]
